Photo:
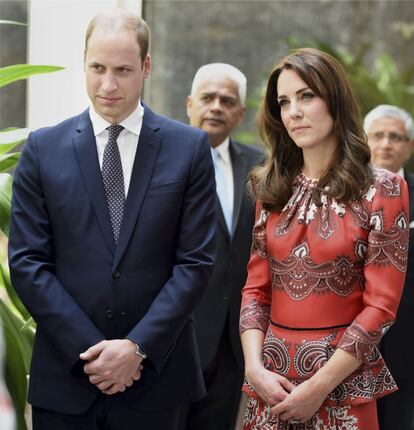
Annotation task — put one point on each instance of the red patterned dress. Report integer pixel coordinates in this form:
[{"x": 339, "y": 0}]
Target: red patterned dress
[{"x": 322, "y": 278}]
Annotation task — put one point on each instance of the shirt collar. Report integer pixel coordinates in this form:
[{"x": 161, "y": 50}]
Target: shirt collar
[
  {"x": 224, "y": 150},
  {"x": 132, "y": 123},
  {"x": 401, "y": 172}
]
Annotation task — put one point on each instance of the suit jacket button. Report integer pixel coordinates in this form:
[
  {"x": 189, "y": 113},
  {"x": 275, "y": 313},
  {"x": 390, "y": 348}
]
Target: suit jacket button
[
  {"x": 109, "y": 313},
  {"x": 116, "y": 274}
]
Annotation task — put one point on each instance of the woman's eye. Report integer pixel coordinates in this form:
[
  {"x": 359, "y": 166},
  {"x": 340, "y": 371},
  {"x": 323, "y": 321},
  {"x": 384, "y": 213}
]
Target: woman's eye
[
  {"x": 283, "y": 103},
  {"x": 308, "y": 96}
]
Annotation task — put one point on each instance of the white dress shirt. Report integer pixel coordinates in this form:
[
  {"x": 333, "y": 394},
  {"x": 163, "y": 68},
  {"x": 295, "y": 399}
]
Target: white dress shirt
[
  {"x": 226, "y": 170},
  {"x": 127, "y": 140}
]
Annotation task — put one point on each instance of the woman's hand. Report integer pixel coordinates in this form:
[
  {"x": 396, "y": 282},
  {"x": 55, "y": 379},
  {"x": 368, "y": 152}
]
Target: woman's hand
[
  {"x": 270, "y": 387},
  {"x": 302, "y": 402}
]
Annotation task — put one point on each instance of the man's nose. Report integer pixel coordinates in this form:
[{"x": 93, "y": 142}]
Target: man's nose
[
  {"x": 385, "y": 141},
  {"x": 215, "y": 104},
  {"x": 109, "y": 83}
]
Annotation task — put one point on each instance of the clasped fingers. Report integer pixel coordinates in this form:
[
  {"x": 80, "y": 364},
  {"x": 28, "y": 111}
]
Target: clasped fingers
[{"x": 114, "y": 388}]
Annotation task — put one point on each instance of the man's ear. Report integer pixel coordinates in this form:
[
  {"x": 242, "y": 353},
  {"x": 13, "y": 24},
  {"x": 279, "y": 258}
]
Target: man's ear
[
  {"x": 189, "y": 106},
  {"x": 146, "y": 67},
  {"x": 241, "y": 114}
]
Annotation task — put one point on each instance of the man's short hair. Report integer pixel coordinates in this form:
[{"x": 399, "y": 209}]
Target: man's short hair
[
  {"x": 122, "y": 19},
  {"x": 222, "y": 70},
  {"x": 389, "y": 111}
]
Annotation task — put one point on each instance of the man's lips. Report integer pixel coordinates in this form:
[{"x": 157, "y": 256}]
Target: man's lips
[
  {"x": 213, "y": 120},
  {"x": 385, "y": 155},
  {"x": 108, "y": 100}
]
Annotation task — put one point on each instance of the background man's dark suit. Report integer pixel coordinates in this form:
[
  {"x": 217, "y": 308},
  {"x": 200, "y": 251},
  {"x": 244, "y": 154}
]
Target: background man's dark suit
[
  {"x": 397, "y": 346},
  {"x": 217, "y": 316},
  {"x": 81, "y": 288},
  {"x": 217, "y": 105},
  {"x": 390, "y": 135}
]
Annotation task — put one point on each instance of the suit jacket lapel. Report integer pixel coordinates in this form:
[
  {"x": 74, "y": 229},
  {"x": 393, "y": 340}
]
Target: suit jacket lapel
[
  {"x": 149, "y": 144},
  {"x": 85, "y": 149},
  {"x": 239, "y": 163},
  {"x": 222, "y": 221}
]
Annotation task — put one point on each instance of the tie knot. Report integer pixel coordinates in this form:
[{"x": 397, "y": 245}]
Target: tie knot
[{"x": 114, "y": 131}]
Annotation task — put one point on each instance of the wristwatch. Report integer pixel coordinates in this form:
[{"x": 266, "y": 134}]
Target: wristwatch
[{"x": 139, "y": 351}]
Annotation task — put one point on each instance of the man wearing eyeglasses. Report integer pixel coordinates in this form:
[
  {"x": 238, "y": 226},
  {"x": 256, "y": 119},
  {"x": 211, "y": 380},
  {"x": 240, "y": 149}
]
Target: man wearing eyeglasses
[{"x": 390, "y": 133}]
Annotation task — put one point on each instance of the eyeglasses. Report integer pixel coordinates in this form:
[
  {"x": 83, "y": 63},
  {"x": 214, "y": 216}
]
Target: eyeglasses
[{"x": 392, "y": 137}]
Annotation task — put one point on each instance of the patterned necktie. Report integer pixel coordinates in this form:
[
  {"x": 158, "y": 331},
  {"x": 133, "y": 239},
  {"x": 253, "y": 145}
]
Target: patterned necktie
[
  {"x": 113, "y": 180},
  {"x": 222, "y": 193}
]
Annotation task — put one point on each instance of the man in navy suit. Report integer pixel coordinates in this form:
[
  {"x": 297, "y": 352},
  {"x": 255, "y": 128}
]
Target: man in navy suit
[
  {"x": 112, "y": 243},
  {"x": 390, "y": 132},
  {"x": 217, "y": 105}
]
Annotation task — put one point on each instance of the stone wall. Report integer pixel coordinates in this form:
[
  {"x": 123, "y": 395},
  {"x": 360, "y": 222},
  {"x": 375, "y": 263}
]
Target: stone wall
[{"x": 13, "y": 47}]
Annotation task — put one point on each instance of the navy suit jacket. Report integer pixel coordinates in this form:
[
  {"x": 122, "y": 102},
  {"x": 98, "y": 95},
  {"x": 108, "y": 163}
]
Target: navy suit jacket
[{"x": 80, "y": 288}]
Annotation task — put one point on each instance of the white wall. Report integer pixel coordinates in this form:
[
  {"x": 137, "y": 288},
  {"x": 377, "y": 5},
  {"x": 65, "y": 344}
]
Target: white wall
[{"x": 56, "y": 36}]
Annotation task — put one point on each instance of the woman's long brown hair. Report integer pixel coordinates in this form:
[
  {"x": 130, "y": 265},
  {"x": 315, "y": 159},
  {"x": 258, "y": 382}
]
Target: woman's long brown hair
[{"x": 348, "y": 175}]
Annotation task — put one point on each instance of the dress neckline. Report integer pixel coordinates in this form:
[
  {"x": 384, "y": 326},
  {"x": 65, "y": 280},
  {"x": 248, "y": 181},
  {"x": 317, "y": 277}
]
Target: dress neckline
[{"x": 306, "y": 181}]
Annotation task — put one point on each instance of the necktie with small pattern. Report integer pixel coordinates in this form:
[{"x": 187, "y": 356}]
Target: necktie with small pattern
[{"x": 113, "y": 180}]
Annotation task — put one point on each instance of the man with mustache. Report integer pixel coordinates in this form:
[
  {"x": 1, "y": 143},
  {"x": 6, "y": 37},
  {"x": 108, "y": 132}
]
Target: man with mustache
[{"x": 217, "y": 105}]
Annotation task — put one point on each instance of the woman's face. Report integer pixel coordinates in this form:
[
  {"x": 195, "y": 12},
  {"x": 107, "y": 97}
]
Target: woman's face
[{"x": 304, "y": 114}]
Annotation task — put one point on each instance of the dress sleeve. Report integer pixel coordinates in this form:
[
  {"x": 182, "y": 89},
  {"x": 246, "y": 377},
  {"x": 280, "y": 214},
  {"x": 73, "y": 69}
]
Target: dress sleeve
[
  {"x": 384, "y": 269},
  {"x": 256, "y": 294}
]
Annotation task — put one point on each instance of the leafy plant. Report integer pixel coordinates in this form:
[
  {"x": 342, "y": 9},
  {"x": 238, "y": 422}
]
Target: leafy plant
[
  {"x": 383, "y": 83},
  {"x": 17, "y": 324}
]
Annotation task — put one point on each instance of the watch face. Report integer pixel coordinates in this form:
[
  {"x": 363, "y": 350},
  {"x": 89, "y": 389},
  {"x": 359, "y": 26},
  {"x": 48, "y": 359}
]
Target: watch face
[{"x": 140, "y": 352}]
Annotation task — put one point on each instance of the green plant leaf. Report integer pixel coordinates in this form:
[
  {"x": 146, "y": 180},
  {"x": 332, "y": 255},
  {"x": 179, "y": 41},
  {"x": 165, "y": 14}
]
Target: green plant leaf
[
  {"x": 8, "y": 161},
  {"x": 18, "y": 351},
  {"x": 14, "y": 298},
  {"x": 17, "y": 72},
  {"x": 5, "y": 21},
  {"x": 10, "y": 138},
  {"x": 6, "y": 181}
]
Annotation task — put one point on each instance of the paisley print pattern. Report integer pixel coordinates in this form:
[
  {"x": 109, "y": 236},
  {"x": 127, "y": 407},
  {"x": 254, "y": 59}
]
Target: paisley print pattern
[
  {"x": 311, "y": 356},
  {"x": 259, "y": 235},
  {"x": 339, "y": 418},
  {"x": 326, "y": 277},
  {"x": 301, "y": 207},
  {"x": 364, "y": 386},
  {"x": 362, "y": 343},
  {"x": 256, "y": 315},
  {"x": 308, "y": 356},
  {"x": 385, "y": 184},
  {"x": 275, "y": 354},
  {"x": 300, "y": 276},
  {"x": 259, "y": 417},
  {"x": 389, "y": 246}
]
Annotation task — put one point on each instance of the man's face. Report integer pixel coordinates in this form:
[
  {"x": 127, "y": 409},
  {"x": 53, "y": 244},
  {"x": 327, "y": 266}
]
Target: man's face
[
  {"x": 216, "y": 108},
  {"x": 114, "y": 72},
  {"x": 389, "y": 142}
]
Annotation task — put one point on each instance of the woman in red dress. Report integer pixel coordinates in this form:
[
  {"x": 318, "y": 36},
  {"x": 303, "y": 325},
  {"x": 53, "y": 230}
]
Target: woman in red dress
[{"x": 328, "y": 259}]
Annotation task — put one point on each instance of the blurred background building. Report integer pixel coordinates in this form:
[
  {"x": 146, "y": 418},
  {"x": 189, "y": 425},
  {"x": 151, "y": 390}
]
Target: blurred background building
[{"x": 374, "y": 38}]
